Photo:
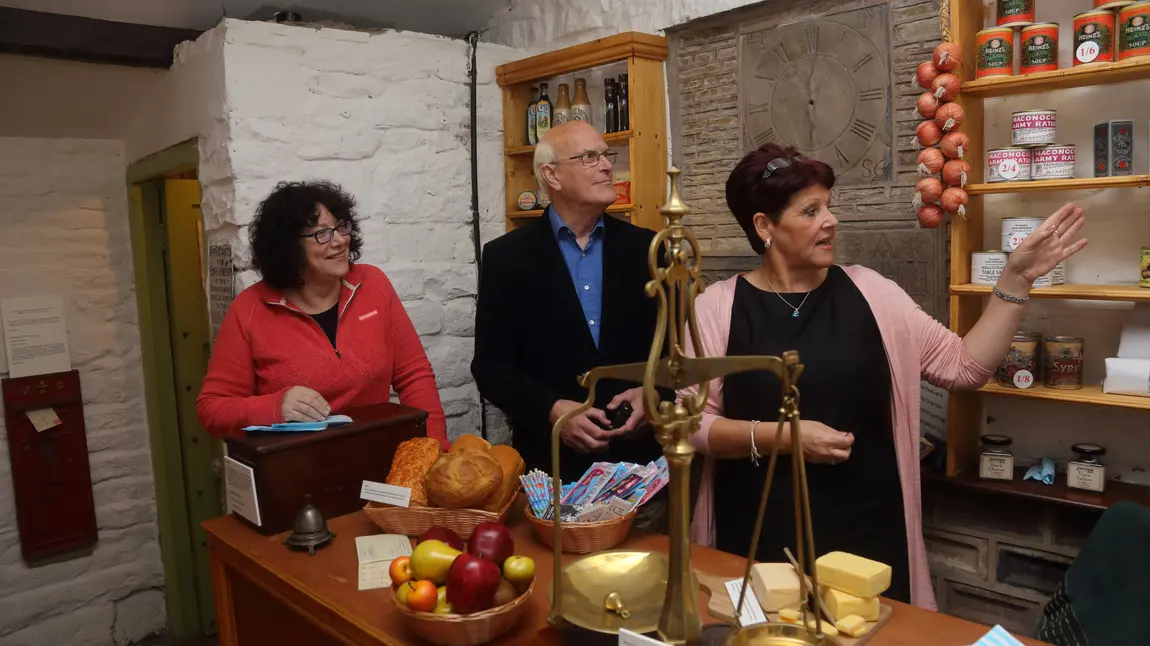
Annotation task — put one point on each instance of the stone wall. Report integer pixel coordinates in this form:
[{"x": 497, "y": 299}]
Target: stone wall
[{"x": 65, "y": 224}]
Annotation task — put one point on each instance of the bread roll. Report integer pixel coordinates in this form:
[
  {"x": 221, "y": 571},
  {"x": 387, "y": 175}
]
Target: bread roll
[
  {"x": 513, "y": 467},
  {"x": 469, "y": 441},
  {"x": 462, "y": 479},
  {"x": 410, "y": 464}
]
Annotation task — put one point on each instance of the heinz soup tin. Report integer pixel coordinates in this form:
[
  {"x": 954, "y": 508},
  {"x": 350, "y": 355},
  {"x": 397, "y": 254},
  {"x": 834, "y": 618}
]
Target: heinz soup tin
[
  {"x": 1134, "y": 31},
  {"x": 995, "y": 52},
  {"x": 1094, "y": 37},
  {"x": 1039, "y": 48}
]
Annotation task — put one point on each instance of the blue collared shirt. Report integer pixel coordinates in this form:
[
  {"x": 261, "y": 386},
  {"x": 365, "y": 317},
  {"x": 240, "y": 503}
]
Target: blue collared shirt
[{"x": 586, "y": 268}]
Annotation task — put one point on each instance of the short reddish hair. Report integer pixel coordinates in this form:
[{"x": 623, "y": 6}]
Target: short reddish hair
[{"x": 748, "y": 192}]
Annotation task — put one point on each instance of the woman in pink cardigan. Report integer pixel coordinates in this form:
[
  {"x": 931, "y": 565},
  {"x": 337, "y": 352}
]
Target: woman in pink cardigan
[{"x": 865, "y": 346}]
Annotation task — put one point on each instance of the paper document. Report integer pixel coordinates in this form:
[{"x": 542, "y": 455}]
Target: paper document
[
  {"x": 375, "y": 554},
  {"x": 43, "y": 419},
  {"x": 334, "y": 420},
  {"x": 628, "y": 638},
  {"x": 35, "y": 336},
  {"x": 752, "y": 611},
  {"x": 240, "y": 488},
  {"x": 385, "y": 493}
]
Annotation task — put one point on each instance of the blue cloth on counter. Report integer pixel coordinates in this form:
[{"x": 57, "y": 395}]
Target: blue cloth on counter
[
  {"x": 333, "y": 420},
  {"x": 1043, "y": 472},
  {"x": 998, "y": 636}
]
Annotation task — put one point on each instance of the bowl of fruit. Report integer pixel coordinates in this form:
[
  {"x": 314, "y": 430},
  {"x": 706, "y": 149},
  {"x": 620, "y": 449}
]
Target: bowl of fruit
[{"x": 453, "y": 592}]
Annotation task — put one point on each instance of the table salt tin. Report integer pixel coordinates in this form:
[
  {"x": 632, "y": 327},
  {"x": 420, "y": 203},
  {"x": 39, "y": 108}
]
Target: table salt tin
[
  {"x": 986, "y": 267},
  {"x": 996, "y": 461},
  {"x": 1030, "y": 128},
  {"x": 1015, "y": 230},
  {"x": 1085, "y": 471},
  {"x": 1053, "y": 162},
  {"x": 1008, "y": 165}
]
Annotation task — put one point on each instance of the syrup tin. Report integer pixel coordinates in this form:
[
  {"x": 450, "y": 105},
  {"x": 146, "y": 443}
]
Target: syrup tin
[
  {"x": 1030, "y": 128},
  {"x": 1094, "y": 37},
  {"x": 1015, "y": 230},
  {"x": 1053, "y": 162},
  {"x": 1134, "y": 31},
  {"x": 995, "y": 52},
  {"x": 1015, "y": 13},
  {"x": 1038, "y": 45},
  {"x": 1008, "y": 164},
  {"x": 1062, "y": 362},
  {"x": 1114, "y": 148},
  {"x": 986, "y": 266},
  {"x": 1019, "y": 368}
]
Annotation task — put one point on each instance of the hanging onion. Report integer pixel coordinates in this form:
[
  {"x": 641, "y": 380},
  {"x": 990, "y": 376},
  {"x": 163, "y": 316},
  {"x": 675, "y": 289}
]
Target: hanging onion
[
  {"x": 945, "y": 87},
  {"x": 927, "y": 105},
  {"x": 947, "y": 57},
  {"x": 948, "y": 116},
  {"x": 954, "y": 144},
  {"x": 930, "y": 161},
  {"x": 927, "y": 190},
  {"x": 925, "y": 74},
  {"x": 954, "y": 200},
  {"x": 955, "y": 172},
  {"x": 928, "y": 133},
  {"x": 929, "y": 216}
]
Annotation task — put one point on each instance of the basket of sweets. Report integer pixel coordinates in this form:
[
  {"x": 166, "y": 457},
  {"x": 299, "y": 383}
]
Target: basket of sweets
[
  {"x": 596, "y": 512},
  {"x": 471, "y": 484}
]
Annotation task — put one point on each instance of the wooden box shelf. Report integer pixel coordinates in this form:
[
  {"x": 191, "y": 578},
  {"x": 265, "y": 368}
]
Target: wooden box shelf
[
  {"x": 642, "y": 146},
  {"x": 1056, "y": 492},
  {"x": 965, "y": 411}
]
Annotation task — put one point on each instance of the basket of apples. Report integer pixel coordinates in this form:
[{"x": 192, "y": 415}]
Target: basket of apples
[{"x": 456, "y": 593}]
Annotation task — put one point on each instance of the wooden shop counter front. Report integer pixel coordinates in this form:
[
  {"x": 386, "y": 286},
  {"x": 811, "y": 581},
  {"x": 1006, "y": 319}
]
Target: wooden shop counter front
[{"x": 267, "y": 593}]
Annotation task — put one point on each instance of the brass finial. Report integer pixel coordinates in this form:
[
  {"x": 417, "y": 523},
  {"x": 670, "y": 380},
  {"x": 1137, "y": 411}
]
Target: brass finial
[{"x": 674, "y": 209}]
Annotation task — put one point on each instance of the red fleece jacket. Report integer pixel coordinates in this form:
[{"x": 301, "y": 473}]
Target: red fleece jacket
[{"x": 266, "y": 345}]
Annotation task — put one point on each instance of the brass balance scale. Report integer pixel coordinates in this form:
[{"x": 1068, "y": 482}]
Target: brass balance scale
[{"x": 652, "y": 592}]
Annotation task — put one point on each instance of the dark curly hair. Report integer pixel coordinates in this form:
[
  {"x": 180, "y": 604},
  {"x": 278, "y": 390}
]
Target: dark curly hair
[
  {"x": 748, "y": 193},
  {"x": 283, "y": 216}
]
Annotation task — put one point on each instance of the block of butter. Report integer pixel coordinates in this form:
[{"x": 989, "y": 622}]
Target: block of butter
[
  {"x": 790, "y": 616},
  {"x": 828, "y": 629},
  {"x": 841, "y": 604},
  {"x": 853, "y": 574},
  {"x": 852, "y": 625},
  {"x": 776, "y": 585}
]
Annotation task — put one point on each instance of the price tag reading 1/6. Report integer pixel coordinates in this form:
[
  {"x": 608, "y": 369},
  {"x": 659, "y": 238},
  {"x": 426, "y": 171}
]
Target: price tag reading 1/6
[
  {"x": 1023, "y": 379},
  {"x": 1087, "y": 51},
  {"x": 628, "y": 638},
  {"x": 1008, "y": 169},
  {"x": 385, "y": 493}
]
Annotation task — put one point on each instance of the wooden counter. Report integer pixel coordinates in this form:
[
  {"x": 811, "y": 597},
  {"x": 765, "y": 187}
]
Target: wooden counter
[{"x": 268, "y": 594}]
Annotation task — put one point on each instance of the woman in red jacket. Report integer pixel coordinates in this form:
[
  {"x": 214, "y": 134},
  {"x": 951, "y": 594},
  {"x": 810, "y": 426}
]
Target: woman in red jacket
[{"x": 321, "y": 332}]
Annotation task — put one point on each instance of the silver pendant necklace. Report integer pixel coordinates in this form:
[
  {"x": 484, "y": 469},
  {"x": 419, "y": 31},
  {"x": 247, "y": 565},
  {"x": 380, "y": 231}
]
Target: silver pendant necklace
[{"x": 796, "y": 309}]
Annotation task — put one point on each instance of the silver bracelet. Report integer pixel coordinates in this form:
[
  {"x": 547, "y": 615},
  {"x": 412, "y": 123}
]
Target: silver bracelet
[
  {"x": 1008, "y": 298},
  {"x": 754, "y": 449}
]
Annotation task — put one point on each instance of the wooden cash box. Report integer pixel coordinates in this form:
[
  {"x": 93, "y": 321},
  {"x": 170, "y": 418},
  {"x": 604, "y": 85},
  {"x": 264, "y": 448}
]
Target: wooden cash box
[{"x": 330, "y": 465}]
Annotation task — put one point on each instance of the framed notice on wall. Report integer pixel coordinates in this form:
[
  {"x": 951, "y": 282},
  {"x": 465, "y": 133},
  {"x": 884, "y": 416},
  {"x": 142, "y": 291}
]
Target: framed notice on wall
[{"x": 221, "y": 283}]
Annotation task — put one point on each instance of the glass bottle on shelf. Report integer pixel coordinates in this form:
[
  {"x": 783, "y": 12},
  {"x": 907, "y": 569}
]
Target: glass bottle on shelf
[
  {"x": 532, "y": 136},
  {"x": 562, "y": 112},
  {"x": 581, "y": 105},
  {"x": 611, "y": 109},
  {"x": 624, "y": 112},
  {"x": 542, "y": 112}
]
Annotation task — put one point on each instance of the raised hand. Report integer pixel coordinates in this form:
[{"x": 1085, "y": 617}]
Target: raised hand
[{"x": 1052, "y": 243}]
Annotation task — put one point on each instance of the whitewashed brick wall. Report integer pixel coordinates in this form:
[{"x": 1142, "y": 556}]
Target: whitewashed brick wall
[{"x": 64, "y": 230}]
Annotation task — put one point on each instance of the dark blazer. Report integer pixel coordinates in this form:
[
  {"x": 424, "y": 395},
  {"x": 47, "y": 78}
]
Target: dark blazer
[{"x": 532, "y": 342}]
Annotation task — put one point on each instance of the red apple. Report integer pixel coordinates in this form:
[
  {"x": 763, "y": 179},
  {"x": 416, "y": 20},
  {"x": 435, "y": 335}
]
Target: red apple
[
  {"x": 492, "y": 541},
  {"x": 471, "y": 584},
  {"x": 422, "y": 597},
  {"x": 400, "y": 570},
  {"x": 444, "y": 534}
]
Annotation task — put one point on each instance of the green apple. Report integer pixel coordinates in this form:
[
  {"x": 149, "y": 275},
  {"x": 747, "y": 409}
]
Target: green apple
[
  {"x": 430, "y": 561},
  {"x": 520, "y": 571}
]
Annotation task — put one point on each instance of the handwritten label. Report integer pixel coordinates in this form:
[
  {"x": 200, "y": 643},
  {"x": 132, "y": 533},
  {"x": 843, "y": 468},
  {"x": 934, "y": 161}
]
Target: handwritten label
[
  {"x": 628, "y": 638},
  {"x": 375, "y": 555},
  {"x": 752, "y": 610},
  {"x": 385, "y": 493}
]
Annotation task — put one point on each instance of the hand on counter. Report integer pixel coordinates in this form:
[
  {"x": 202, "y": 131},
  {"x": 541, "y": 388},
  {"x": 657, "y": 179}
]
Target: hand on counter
[{"x": 302, "y": 404}]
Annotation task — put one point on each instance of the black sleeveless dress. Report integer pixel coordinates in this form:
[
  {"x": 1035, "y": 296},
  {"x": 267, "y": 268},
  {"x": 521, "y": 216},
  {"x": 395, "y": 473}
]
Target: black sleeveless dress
[{"x": 856, "y": 506}]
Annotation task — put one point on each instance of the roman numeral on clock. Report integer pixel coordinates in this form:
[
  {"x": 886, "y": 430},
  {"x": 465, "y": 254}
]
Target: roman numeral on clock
[
  {"x": 843, "y": 159},
  {"x": 781, "y": 52},
  {"x": 862, "y": 129},
  {"x": 861, "y": 64},
  {"x": 765, "y": 137},
  {"x": 813, "y": 39},
  {"x": 871, "y": 95},
  {"x": 756, "y": 109}
]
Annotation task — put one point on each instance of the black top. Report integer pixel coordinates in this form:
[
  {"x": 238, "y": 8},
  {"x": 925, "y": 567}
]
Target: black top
[
  {"x": 532, "y": 342},
  {"x": 328, "y": 321},
  {"x": 856, "y": 506}
]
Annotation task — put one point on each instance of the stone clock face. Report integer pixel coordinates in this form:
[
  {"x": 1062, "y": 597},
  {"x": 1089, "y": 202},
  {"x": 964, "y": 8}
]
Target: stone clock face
[{"x": 823, "y": 87}]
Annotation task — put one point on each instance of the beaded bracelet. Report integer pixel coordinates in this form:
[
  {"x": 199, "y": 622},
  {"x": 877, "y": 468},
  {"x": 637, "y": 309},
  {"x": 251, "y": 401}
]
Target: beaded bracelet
[
  {"x": 1008, "y": 298},
  {"x": 754, "y": 449}
]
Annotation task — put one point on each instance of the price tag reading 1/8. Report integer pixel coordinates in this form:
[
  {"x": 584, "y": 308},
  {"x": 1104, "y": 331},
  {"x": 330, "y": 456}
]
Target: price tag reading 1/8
[
  {"x": 1023, "y": 379},
  {"x": 1008, "y": 169}
]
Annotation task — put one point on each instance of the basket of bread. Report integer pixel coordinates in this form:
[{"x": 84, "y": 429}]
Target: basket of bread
[
  {"x": 453, "y": 592},
  {"x": 473, "y": 483},
  {"x": 595, "y": 512}
]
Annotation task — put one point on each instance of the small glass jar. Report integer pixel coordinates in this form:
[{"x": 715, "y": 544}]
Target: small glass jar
[
  {"x": 997, "y": 460},
  {"x": 1085, "y": 471}
]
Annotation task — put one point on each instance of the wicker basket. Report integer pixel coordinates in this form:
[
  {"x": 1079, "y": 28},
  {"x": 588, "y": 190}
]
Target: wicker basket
[
  {"x": 414, "y": 521},
  {"x": 583, "y": 538},
  {"x": 465, "y": 630}
]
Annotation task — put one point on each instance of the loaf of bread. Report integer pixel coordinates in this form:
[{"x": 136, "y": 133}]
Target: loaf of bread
[
  {"x": 513, "y": 467},
  {"x": 462, "y": 479},
  {"x": 413, "y": 458},
  {"x": 469, "y": 441}
]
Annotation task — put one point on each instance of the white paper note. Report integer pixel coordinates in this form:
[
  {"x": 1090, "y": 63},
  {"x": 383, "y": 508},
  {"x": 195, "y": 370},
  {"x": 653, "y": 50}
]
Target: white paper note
[
  {"x": 628, "y": 638},
  {"x": 752, "y": 611},
  {"x": 934, "y": 402},
  {"x": 35, "y": 335},
  {"x": 240, "y": 486},
  {"x": 375, "y": 554},
  {"x": 385, "y": 493},
  {"x": 374, "y": 576},
  {"x": 43, "y": 419}
]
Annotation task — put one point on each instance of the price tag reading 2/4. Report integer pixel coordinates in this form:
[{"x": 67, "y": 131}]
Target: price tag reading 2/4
[
  {"x": 1023, "y": 379},
  {"x": 1016, "y": 239},
  {"x": 1008, "y": 168}
]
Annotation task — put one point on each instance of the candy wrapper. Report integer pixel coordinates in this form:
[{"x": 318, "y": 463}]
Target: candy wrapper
[
  {"x": 592, "y": 482},
  {"x": 567, "y": 513}
]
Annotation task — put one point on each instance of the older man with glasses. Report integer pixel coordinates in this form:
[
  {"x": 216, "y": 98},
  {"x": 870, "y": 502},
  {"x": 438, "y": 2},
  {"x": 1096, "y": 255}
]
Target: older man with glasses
[{"x": 560, "y": 296}]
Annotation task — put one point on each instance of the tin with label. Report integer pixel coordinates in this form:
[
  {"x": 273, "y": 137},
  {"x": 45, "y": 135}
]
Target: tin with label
[
  {"x": 1045, "y": 280},
  {"x": 1144, "y": 268},
  {"x": 1030, "y": 128},
  {"x": 1086, "y": 471},
  {"x": 1114, "y": 148},
  {"x": 1094, "y": 37},
  {"x": 1112, "y": 4},
  {"x": 986, "y": 267},
  {"x": 1134, "y": 31},
  {"x": 1053, "y": 162},
  {"x": 1062, "y": 362},
  {"x": 1038, "y": 45},
  {"x": 994, "y": 49},
  {"x": 1008, "y": 165},
  {"x": 1020, "y": 366},
  {"x": 1014, "y": 13},
  {"x": 1058, "y": 274},
  {"x": 528, "y": 200},
  {"x": 1015, "y": 230}
]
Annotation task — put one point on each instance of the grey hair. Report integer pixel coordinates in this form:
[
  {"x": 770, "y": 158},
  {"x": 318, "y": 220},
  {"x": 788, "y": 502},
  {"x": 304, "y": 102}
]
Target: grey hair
[{"x": 544, "y": 154}]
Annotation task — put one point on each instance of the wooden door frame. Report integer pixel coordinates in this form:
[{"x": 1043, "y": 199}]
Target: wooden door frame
[{"x": 145, "y": 182}]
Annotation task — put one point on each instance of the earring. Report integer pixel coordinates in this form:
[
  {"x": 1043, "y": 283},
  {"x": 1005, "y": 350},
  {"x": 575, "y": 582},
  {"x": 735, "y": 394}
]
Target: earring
[{"x": 766, "y": 243}]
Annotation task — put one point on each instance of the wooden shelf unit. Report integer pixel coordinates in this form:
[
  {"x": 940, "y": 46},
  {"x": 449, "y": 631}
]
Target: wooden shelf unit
[
  {"x": 964, "y": 414},
  {"x": 643, "y": 144},
  {"x": 1056, "y": 492}
]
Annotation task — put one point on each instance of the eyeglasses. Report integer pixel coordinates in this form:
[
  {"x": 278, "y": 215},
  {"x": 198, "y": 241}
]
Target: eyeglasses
[
  {"x": 325, "y": 235},
  {"x": 591, "y": 157}
]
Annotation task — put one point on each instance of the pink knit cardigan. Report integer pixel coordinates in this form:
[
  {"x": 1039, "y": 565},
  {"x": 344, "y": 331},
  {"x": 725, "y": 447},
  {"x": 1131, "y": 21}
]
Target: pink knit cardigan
[{"x": 917, "y": 347}]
